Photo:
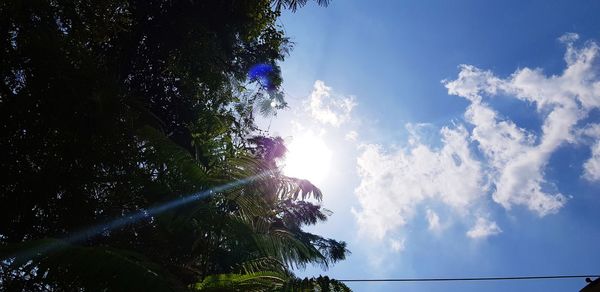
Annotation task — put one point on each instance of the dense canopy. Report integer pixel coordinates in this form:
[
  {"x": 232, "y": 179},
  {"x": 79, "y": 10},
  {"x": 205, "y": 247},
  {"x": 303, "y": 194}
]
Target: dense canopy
[{"x": 114, "y": 107}]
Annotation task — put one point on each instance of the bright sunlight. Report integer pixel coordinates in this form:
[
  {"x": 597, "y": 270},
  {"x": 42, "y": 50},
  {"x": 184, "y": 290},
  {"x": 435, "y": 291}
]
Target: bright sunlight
[{"x": 308, "y": 157}]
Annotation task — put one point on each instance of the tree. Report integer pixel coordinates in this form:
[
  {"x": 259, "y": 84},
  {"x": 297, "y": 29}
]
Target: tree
[
  {"x": 295, "y": 4},
  {"x": 112, "y": 107}
]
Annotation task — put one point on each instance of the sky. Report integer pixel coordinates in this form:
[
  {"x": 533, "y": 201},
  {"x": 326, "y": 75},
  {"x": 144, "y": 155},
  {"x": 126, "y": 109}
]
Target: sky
[{"x": 450, "y": 138}]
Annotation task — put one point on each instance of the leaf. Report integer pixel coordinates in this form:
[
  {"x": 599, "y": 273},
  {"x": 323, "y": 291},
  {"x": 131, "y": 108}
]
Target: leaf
[{"x": 92, "y": 268}]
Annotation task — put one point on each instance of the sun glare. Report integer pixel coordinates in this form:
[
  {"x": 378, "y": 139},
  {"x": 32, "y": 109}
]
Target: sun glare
[{"x": 308, "y": 157}]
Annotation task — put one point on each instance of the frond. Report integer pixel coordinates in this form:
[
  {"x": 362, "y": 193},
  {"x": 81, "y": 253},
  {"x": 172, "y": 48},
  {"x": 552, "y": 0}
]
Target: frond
[
  {"x": 263, "y": 264},
  {"x": 315, "y": 284},
  {"x": 299, "y": 213},
  {"x": 295, "y": 188},
  {"x": 284, "y": 245},
  {"x": 295, "y": 4},
  {"x": 269, "y": 281},
  {"x": 259, "y": 281},
  {"x": 175, "y": 155}
]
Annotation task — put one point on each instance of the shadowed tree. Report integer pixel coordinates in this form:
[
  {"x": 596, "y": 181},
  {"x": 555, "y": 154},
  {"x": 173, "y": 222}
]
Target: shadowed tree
[{"x": 111, "y": 107}]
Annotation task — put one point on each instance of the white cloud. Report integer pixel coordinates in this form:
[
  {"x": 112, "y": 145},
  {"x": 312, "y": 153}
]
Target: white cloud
[
  {"x": 352, "y": 135},
  {"x": 433, "y": 221},
  {"x": 483, "y": 228},
  {"x": 510, "y": 169},
  {"x": 394, "y": 183},
  {"x": 397, "y": 245},
  {"x": 517, "y": 163},
  {"x": 568, "y": 38},
  {"x": 328, "y": 108},
  {"x": 471, "y": 81},
  {"x": 518, "y": 157},
  {"x": 420, "y": 132},
  {"x": 592, "y": 166}
]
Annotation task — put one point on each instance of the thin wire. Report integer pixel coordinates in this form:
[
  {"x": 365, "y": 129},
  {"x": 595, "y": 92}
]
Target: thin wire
[{"x": 469, "y": 279}]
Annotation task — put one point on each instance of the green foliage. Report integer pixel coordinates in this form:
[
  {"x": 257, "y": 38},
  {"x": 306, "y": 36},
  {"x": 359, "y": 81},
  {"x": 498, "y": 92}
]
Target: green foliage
[
  {"x": 295, "y": 4},
  {"x": 269, "y": 281},
  {"x": 90, "y": 268},
  {"x": 258, "y": 281},
  {"x": 111, "y": 107}
]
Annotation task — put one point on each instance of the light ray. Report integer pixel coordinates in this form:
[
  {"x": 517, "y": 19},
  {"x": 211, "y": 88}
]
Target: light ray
[{"x": 129, "y": 219}]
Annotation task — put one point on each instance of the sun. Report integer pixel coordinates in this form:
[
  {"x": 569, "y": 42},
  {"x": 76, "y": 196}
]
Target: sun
[{"x": 308, "y": 157}]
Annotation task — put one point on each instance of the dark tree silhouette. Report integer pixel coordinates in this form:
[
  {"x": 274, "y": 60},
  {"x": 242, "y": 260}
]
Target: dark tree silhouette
[{"x": 111, "y": 107}]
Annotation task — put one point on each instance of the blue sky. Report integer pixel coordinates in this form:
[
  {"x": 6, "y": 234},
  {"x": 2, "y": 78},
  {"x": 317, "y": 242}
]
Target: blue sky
[{"x": 463, "y": 137}]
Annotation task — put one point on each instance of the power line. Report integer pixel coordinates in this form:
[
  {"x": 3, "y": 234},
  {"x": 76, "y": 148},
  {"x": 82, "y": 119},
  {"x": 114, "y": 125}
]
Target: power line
[{"x": 469, "y": 279}]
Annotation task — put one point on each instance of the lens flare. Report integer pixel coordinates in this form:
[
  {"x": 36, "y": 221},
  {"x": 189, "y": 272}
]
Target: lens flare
[{"x": 262, "y": 74}]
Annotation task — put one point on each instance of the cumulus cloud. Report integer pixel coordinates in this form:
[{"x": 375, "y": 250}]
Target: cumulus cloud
[
  {"x": 517, "y": 163},
  {"x": 328, "y": 108},
  {"x": 568, "y": 38},
  {"x": 518, "y": 157},
  {"x": 591, "y": 168},
  {"x": 420, "y": 132},
  {"x": 433, "y": 221},
  {"x": 397, "y": 245},
  {"x": 592, "y": 165},
  {"x": 352, "y": 135},
  {"x": 510, "y": 162},
  {"x": 394, "y": 183},
  {"x": 483, "y": 228}
]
